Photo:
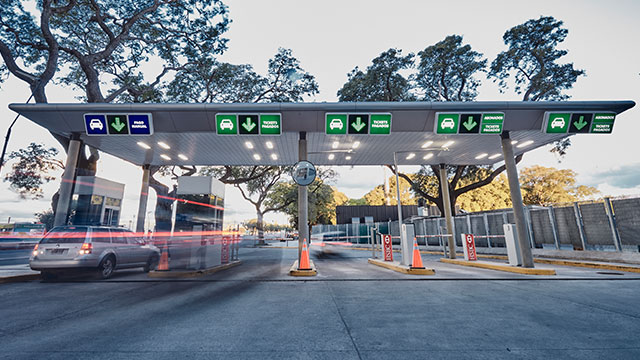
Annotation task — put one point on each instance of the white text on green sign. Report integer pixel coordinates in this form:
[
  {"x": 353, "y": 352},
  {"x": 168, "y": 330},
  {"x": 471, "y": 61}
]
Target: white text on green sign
[
  {"x": 358, "y": 123},
  {"x": 249, "y": 124},
  {"x": 469, "y": 123},
  {"x": 578, "y": 122}
]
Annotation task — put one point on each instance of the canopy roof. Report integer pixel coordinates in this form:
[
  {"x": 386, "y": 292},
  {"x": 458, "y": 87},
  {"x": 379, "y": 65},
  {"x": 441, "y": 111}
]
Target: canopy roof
[{"x": 190, "y": 130}]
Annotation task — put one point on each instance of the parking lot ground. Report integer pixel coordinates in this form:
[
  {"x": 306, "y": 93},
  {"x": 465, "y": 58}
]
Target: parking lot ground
[{"x": 351, "y": 310}]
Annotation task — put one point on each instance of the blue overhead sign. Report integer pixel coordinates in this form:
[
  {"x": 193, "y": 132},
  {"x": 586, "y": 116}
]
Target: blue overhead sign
[
  {"x": 120, "y": 124},
  {"x": 95, "y": 124}
]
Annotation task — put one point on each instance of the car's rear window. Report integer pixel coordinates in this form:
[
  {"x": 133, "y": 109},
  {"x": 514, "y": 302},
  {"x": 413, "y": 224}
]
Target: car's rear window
[{"x": 66, "y": 235}]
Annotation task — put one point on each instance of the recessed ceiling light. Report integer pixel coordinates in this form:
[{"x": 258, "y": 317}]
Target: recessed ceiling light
[
  {"x": 269, "y": 145},
  {"x": 256, "y": 156},
  {"x": 181, "y": 156},
  {"x": 335, "y": 144},
  {"x": 494, "y": 156},
  {"x": 347, "y": 157},
  {"x": 248, "y": 144},
  {"x": 274, "y": 156},
  {"x": 427, "y": 144},
  {"x": 411, "y": 156},
  {"x": 332, "y": 156},
  {"x": 448, "y": 143},
  {"x": 428, "y": 156},
  {"x": 526, "y": 143},
  {"x": 164, "y": 145},
  {"x": 143, "y": 145},
  {"x": 355, "y": 144},
  {"x": 482, "y": 156},
  {"x": 514, "y": 142},
  {"x": 166, "y": 157}
]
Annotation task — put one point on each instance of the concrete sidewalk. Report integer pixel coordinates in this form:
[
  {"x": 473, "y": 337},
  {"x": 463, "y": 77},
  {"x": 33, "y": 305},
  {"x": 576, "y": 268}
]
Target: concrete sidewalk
[{"x": 13, "y": 273}]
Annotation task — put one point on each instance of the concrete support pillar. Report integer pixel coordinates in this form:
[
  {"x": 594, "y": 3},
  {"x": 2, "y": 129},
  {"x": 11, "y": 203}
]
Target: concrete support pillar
[
  {"x": 144, "y": 196},
  {"x": 516, "y": 199},
  {"x": 68, "y": 177},
  {"x": 446, "y": 204},
  {"x": 303, "y": 198}
]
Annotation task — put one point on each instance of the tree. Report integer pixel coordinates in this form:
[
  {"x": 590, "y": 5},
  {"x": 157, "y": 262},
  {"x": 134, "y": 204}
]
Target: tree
[
  {"x": 377, "y": 196},
  {"x": 46, "y": 217},
  {"x": 446, "y": 71},
  {"x": 495, "y": 195},
  {"x": 382, "y": 81},
  {"x": 356, "y": 202},
  {"x": 322, "y": 199},
  {"x": 546, "y": 185},
  {"x": 531, "y": 63},
  {"x": 257, "y": 190},
  {"x": 107, "y": 43},
  {"x": 33, "y": 167}
]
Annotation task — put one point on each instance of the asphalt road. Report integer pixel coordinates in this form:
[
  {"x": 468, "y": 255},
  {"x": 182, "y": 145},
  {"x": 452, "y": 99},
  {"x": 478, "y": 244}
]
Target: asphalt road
[
  {"x": 351, "y": 310},
  {"x": 15, "y": 257}
]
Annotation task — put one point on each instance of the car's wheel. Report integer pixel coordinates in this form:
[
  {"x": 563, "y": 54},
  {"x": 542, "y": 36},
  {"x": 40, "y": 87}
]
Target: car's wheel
[
  {"x": 152, "y": 263},
  {"x": 106, "y": 267}
]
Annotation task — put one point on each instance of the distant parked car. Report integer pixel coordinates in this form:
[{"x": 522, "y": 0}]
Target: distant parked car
[{"x": 95, "y": 248}]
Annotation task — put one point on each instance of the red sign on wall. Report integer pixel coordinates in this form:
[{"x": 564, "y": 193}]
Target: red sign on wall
[
  {"x": 225, "y": 250},
  {"x": 469, "y": 247},
  {"x": 387, "y": 248}
]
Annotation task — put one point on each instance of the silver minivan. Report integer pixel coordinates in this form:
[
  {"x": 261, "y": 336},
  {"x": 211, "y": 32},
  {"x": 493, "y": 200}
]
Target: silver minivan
[{"x": 97, "y": 248}]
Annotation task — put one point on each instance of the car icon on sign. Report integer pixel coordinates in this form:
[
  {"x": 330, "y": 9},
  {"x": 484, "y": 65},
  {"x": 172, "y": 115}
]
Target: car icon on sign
[
  {"x": 448, "y": 123},
  {"x": 96, "y": 124},
  {"x": 335, "y": 124},
  {"x": 226, "y": 124},
  {"x": 557, "y": 122}
]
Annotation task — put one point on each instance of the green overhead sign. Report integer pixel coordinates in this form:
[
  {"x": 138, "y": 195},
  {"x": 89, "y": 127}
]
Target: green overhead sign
[
  {"x": 358, "y": 124},
  {"x": 248, "y": 124},
  {"x": 469, "y": 123},
  {"x": 579, "y": 123}
]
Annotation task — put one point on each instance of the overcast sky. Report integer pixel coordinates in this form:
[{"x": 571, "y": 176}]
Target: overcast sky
[{"x": 331, "y": 37}]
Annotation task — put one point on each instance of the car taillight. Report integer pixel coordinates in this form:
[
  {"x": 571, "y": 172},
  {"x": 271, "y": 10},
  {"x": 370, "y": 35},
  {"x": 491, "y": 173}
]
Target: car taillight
[
  {"x": 35, "y": 250},
  {"x": 85, "y": 248}
]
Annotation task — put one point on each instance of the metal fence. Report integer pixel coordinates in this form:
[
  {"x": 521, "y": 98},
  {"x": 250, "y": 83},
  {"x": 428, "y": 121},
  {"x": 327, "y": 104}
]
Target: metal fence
[{"x": 606, "y": 225}]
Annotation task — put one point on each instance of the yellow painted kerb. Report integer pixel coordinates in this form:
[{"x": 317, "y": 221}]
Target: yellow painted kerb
[{"x": 499, "y": 267}]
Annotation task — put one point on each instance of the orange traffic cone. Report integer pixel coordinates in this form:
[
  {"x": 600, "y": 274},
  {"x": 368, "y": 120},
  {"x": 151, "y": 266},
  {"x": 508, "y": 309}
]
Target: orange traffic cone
[
  {"x": 163, "y": 265},
  {"x": 304, "y": 264},
  {"x": 416, "y": 262}
]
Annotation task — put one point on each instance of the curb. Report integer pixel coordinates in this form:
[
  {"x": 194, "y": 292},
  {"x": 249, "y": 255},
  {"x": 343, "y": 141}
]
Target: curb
[
  {"x": 19, "y": 278},
  {"x": 192, "y": 273},
  {"x": 506, "y": 268},
  {"x": 589, "y": 265},
  {"x": 293, "y": 271},
  {"x": 401, "y": 268}
]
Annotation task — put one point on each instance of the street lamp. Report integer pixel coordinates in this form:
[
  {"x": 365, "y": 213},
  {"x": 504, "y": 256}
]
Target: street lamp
[{"x": 6, "y": 139}]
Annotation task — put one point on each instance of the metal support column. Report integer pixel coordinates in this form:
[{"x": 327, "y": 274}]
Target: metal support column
[
  {"x": 303, "y": 199},
  {"x": 404, "y": 245},
  {"x": 486, "y": 229},
  {"x": 516, "y": 200},
  {"x": 66, "y": 185},
  {"x": 580, "y": 223},
  {"x": 446, "y": 204},
  {"x": 144, "y": 196},
  {"x": 612, "y": 224},
  {"x": 527, "y": 213}
]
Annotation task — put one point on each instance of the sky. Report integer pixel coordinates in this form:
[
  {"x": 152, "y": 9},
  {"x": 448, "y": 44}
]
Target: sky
[{"x": 331, "y": 37}]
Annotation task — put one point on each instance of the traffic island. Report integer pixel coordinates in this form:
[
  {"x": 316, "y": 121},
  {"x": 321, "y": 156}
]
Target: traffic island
[
  {"x": 499, "y": 267},
  {"x": 592, "y": 265},
  {"x": 294, "y": 271},
  {"x": 172, "y": 274},
  {"x": 396, "y": 266}
]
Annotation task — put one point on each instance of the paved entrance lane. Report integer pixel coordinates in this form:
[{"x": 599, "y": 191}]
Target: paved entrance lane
[{"x": 256, "y": 311}]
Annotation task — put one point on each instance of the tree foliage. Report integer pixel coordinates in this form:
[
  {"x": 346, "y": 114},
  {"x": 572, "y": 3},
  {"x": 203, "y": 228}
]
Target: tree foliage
[
  {"x": 33, "y": 167},
  {"x": 531, "y": 61},
  {"x": 446, "y": 70},
  {"x": 382, "y": 80},
  {"x": 377, "y": 196},
  {"x": 546, "y": 185}
]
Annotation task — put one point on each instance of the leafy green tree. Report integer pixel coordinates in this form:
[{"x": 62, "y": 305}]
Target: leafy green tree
[
  {"x": 446, "y": 70},
  {"x": 33, "y": 167},
  {"x": 382, "y": 81},
  {"x": 531, "y": 63},
  {"x": 377, "y": 196},
  {"x": 355, "y": 202},
  {"x": 546, "y": 185},
  {"x": 495, "y": 195},
  {"x": 46, "y": 217}
]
